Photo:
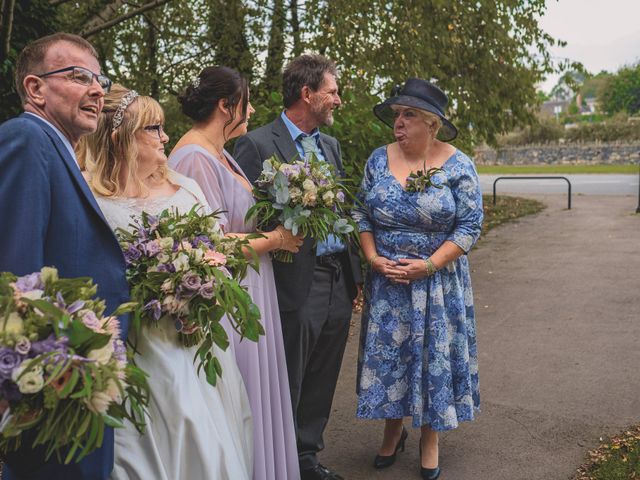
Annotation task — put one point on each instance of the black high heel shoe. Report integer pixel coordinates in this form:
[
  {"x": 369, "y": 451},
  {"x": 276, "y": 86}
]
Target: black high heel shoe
[
  {"x": 384, "y": 461},
  {"x": 427, "y": 473}
]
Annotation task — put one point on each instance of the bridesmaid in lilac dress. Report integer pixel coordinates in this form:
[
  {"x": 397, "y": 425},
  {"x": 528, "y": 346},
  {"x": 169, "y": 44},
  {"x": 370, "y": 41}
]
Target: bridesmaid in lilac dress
[{"x": 217, "y": 102}]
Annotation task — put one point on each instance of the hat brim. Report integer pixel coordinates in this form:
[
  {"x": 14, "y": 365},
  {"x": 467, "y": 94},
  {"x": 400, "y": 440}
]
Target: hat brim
[{"x": 384, "y": 112}]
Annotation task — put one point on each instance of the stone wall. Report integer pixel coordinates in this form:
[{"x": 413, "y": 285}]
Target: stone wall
[{"x": 575, "y": 153}]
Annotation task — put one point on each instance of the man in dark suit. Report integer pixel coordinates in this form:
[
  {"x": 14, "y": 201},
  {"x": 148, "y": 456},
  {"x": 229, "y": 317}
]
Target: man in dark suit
[
  {"x": 49, "y": 216},
  {"x": 316, "y": 291}
]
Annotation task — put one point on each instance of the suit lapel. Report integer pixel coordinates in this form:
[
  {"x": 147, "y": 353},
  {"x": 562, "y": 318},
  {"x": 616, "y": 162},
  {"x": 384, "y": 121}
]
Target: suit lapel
[
  {"x": 284, "y": 143},
  {"x": 329, "y": 155},
  {"x": 71, "y": 165}
]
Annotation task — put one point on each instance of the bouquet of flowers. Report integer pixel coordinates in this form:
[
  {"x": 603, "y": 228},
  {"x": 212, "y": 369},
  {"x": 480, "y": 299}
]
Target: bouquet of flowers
[
  {"x": 64, "y": 373},
  {"x": 421, "y": 180},
  {"x": 183, "y": 269},
  {"x": 304, "y": 196}
]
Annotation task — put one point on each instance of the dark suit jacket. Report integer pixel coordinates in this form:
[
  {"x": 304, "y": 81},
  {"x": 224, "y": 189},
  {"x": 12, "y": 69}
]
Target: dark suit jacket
[
  {"x": 293, "y": 280},
  {"x": 49, "y": 217}
]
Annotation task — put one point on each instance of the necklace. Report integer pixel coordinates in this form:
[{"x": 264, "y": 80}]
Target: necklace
[{"x": 218, "y": 151}]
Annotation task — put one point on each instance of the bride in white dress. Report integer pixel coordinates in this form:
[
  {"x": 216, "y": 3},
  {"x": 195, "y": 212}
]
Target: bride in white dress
[{"x": 194, "y": 431}]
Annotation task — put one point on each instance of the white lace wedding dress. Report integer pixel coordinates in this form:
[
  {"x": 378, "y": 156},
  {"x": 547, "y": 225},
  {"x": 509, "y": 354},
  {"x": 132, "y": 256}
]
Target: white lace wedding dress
[{"x": 194, "y": 431}]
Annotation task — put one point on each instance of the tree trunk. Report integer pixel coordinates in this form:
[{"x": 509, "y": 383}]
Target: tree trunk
[
  {"x": 227, "y": 23},
  {"x": 6, "y": 23},
  {"x": 295, "y": 28},
  {"x": 275, "y": 52},
  {"x": 152, "y": 55}
]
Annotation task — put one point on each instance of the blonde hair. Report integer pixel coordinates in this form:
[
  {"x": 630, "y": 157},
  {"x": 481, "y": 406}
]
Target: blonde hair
[
  {"x": 430, "y": 119},
  {"x": 106, "y": 153}
]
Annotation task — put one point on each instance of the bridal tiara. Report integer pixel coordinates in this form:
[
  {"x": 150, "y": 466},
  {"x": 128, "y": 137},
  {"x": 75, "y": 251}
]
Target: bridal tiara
[{"x": 129, "y": 97}]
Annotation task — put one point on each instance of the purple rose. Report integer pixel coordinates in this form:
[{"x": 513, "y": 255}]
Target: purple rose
[
  {"x": 48, "y": 345},
  {"x": 23, "y": 346},
  {"x": 132, "y": 254},
  {"x": 202, "y": 239},
  {"x": 30, "y": 282},
  {"x": 9, "y": 359},
  {"x": 91, "y": 320},
  {"x": 206, "y": 290},
  {"x": 191, "y": 282},
  {"x": 155, "y": 307},
  {"x": 166, "y": 268},
  {"x": 152, "y": 248}
]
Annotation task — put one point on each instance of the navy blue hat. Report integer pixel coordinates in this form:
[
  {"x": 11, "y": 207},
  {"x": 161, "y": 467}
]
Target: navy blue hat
[{"x": 418, "y": 93}]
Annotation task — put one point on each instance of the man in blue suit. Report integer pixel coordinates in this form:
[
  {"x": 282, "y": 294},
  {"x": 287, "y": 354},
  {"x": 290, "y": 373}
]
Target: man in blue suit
[{"x": 48, "y": 215}]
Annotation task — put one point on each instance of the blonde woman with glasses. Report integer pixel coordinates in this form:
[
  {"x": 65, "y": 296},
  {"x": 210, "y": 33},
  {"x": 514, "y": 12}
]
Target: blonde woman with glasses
[{"x": 194, "y": 430}]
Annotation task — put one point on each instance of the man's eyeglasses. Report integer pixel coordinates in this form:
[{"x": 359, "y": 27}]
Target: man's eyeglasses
[
  {"x": 83, "y": 76},
  {"x": 155, "y": 128}
]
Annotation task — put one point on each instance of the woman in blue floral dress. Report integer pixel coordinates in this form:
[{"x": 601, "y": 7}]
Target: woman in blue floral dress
[{"x": 418, "y": 353}]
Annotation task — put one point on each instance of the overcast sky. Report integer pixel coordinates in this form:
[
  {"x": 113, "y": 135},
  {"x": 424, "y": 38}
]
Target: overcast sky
[{"x": 602, "y": 34}]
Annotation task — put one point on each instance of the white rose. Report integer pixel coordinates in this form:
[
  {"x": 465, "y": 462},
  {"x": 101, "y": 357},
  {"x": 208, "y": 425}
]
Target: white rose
[
  {"x": 295, "y": 193},
  {"x": 99, "y": 402},
  {"x": 167, "y": 286},
  {"x": 102, "y": 355},
  {"x": 198, "y": 254},
  {"x": 163, "y": 258},
  {"x": 31, "y": 382},
  {"x": 113, "y": 391},
  {"x": 309, "y": 199},
  {"x": 13, "y": 326},
  {"x": 308, "y": 185},
  {"x": 181, "y": 262},
  {"x": 328, "y": 197},
  {"x": 166, "y": 243}
]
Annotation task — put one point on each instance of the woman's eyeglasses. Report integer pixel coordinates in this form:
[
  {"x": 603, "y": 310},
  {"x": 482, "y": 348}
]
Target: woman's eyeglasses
[
  {"x": 83, "y": 76},
  {"x": 155, "y": 128}
]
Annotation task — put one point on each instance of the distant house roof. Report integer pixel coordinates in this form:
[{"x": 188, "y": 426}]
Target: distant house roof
[{"x": 554, "y": 107}]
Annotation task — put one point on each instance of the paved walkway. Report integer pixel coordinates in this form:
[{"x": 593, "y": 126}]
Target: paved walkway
[{"x": 558, "y": 309}]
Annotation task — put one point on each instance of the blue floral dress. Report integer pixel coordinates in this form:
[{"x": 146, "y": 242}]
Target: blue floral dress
[{"x": 418, "y": 352}]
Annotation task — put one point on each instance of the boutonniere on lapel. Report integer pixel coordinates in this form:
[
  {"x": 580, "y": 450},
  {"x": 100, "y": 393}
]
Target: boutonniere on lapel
[
  {"x": 305, "y": 197},
  {"x": 418, "y": 182}
]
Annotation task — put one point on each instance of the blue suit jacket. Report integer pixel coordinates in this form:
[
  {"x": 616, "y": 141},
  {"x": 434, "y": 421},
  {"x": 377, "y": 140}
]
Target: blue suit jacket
[{"x": 49, "y": 217}]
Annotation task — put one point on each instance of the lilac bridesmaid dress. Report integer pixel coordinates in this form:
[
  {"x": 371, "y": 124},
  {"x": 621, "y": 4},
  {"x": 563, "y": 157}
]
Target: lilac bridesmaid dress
[{"x": 262, "y": 365}]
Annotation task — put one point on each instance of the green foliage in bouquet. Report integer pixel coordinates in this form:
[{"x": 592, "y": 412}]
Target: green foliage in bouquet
[
  {"x": 183, "y": 269},
  {"x": 305, "y": 197},
  {"x": 64, "y": 371}
]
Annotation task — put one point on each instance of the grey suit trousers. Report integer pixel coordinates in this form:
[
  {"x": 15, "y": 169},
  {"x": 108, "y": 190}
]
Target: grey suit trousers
[{"x": 315, "y": 336}]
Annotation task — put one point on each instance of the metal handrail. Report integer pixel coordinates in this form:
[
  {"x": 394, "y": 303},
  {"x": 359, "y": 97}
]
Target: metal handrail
[{"x": 533, "y": 178}]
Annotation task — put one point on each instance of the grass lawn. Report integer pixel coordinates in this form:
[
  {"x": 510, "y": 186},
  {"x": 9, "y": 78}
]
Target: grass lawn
[
  {"x": 507, "y": 209},
  {"x": 618, "y": 458},
  {"x": 553, "y": 169}
]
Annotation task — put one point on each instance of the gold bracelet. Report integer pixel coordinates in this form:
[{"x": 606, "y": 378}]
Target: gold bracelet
[
  {"x": 431, "y": 268},
  {"x": 373, "y": 259}
]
